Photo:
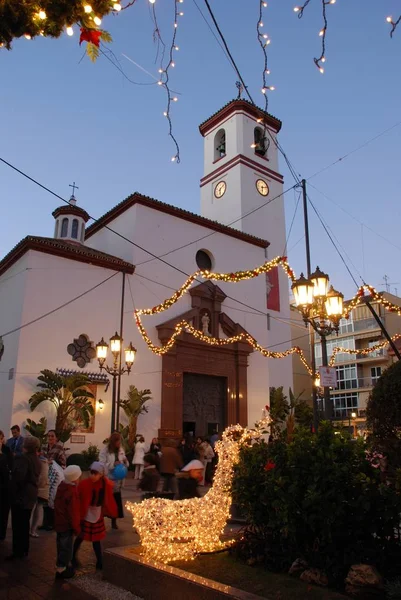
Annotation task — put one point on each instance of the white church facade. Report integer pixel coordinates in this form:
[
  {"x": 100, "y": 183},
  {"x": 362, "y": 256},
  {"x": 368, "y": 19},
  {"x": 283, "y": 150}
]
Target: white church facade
[{"x": 195, "y": 387}]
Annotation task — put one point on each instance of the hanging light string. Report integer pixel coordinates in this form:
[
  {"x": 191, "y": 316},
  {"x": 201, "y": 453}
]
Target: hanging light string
[
  {"x": 393, "y": 24},
  {"x": 322, "y": 33},
  {"x": 361, "y": 352},
  {"x": 165, "y": 76},
  {"x": 264, "y": 41},
  {"x": 234, "y": 277}
]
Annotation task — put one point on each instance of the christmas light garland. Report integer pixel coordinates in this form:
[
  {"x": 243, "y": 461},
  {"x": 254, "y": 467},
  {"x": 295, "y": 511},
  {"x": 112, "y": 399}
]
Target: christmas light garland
[
  {"x": 220, "y": 342},
  {"x": 180, "y": 529},
  {"x": 362, "y": 351},
  {"x": 234, "y": 277}
]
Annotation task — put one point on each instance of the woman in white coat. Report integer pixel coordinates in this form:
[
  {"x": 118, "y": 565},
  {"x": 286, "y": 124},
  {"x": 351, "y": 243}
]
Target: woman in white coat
[
  {"x": 110, "y": 456},
  {"x": 140, "y": 452}
]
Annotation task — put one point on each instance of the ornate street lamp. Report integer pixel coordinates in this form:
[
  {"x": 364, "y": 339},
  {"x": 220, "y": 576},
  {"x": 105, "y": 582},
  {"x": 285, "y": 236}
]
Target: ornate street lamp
[
  {"x": 116, "y": 369},
  {"x": 322, "y": 308}
]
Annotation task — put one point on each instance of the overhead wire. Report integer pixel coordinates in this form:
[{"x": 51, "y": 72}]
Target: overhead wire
[
  {"x": 333, "y": 242},
  {"x": 117, "y": 233},
  {"x": 51, "y": 312},
  {"x": 226, "y": 225}
]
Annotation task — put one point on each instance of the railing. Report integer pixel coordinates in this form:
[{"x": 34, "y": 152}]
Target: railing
[
  {"x": 360, "y": 382},
  {"x": 366, "y": 324},
  {"x": 374, "y": 354}
]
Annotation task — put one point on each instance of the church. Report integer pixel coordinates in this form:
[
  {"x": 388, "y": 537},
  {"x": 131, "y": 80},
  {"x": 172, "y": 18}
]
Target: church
[{"x": 61, "y": 295}]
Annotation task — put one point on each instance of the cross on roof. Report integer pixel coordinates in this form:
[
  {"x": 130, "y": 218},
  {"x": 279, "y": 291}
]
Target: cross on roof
[{"x": 74, "y": 187}]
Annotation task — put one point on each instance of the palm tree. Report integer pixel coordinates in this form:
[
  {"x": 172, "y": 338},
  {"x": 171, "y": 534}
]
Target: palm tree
[
  {"x": 70, "y": 396},
  {"x": 134, "y": 405}
]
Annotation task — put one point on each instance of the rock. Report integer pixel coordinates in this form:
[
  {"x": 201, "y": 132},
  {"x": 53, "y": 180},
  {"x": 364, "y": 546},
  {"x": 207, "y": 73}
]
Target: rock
[
  {"x": 315, "y": 576},
  {"x": 364, "y": 576},
  {"x": 298, "y": 567}
]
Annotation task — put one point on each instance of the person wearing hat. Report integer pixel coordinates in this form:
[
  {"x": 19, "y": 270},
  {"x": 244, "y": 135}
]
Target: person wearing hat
[
  {"x": 189, "y": 478},
  {"x": 67, "y": 519},
  {"x": 96, "y": 502}
]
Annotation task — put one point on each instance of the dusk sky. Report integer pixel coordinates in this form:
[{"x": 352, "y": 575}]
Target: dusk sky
[{"x": 66, "y": 119}]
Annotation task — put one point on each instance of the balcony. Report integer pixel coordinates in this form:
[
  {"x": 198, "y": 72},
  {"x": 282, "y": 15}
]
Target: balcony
[
  {"x": 366, "y": 325},
  {"x": 381, "y": 353},
  {"x": 355, "y": 384}
]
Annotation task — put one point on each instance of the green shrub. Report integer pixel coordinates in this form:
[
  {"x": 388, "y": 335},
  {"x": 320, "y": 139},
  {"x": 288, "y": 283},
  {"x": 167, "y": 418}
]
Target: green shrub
[{"x": 317, "y": 498}]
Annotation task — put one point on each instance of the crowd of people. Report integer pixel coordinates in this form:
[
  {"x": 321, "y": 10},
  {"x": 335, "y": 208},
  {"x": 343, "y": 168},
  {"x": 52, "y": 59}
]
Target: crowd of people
[{"x": 41, "y": 492}]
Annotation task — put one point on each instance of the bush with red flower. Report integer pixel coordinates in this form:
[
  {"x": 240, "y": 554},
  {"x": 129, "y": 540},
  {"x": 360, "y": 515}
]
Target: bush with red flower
[{"x": 318, "y": 498}]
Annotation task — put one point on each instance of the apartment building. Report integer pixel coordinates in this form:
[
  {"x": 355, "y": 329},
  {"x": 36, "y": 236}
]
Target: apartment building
[{"x": 357, "y": 374}]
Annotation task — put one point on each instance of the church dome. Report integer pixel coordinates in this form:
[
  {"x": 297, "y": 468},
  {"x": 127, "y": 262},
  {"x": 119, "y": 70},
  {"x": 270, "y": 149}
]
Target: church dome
[{"x": 70, "y": 222}]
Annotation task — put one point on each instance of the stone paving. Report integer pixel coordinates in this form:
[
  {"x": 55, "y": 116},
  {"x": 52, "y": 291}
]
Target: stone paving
[{"x": 34, "y": 577}]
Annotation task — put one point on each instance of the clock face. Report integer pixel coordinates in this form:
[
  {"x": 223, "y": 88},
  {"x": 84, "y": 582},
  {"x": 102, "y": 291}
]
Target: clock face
[
  {"x": 220, "y": 189},
  {"x": 262, "y": 187}
]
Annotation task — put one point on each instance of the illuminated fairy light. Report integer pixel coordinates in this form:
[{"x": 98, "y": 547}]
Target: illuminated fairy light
[
  {"x": 70, "y": 31},
  {"x": 264, "y": 42},
  {"x": 234, "y": 277},
  {"x": 361, "y": 352},
  {"x": 172, "y": 530},
  {"x": 299, "y": 10},
  {"x": 183, "y": 325},
  {"x": 42, "y": 15},
  {"x": 220, "y": 342},
  {"x": 164, "y": 71},
  {"x": 393, "y": 24}
]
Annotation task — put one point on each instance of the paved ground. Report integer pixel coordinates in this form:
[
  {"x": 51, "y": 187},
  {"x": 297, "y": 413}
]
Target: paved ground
[{"x": 33, "y": 578}]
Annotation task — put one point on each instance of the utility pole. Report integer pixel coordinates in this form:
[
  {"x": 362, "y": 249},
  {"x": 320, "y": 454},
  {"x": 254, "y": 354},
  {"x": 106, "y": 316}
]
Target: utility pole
[
  {"x": 117, "y": 423},
  {"x": 327, "y": 400}
]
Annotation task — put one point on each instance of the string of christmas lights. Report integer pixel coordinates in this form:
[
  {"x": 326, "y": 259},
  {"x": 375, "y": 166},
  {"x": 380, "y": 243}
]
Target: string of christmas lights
[
  {"x": 374, "y": 295},
  {"x": 165, "y": 72},
  {"x": 220, "y": 342},
  {"x": 361, "y": 352},
  {"x": 322, "y": 33},
  {"x": 264, "y": 41},
  {"x": 180, "y": 529},
  {"x": 393, "y": 24},
  {"x": 234, "y": 277}
]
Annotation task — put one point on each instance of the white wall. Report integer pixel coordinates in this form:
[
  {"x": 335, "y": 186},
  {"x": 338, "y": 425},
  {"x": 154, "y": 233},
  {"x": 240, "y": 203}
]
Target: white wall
[
  {"x": 12, "y": 290},
  {"x": 161, "y": 233}
]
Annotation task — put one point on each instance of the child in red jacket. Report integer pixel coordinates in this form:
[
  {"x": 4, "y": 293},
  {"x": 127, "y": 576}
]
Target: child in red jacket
[
  {"x": 67, "y": 520},
  {"x": 96, "y": 502}
]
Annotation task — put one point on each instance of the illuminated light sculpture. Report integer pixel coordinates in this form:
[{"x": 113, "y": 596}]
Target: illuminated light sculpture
[{"x": 180, "y": 529}]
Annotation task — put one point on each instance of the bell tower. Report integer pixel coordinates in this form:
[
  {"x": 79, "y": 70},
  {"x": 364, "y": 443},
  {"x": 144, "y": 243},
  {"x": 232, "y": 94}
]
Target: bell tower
[
  {"x": 242, "y": 187},
  {"x": 241, "y": 172}
]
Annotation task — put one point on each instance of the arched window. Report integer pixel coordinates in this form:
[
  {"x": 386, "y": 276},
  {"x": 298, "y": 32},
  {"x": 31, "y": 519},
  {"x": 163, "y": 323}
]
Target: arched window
[
  {"x": 220, "y": 144},
  {"x": 64, "y": 227},
  {"x": 74, "y": 229},
  {"x": 56, "y": 229},
  {"x": 82, "y": 232},
  {"x": 260, "y": 143}
]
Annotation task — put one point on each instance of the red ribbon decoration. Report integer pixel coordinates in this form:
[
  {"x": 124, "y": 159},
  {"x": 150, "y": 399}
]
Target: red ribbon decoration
[
  {"x": 90, "y": 35},
  {"x": 270, "y": 465}
]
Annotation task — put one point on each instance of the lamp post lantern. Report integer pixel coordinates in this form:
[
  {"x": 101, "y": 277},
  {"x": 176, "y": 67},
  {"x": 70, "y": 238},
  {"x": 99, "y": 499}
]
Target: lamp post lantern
[
  {"x": 115, "y": 370},
  {"x": 322, "y": 308}
]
